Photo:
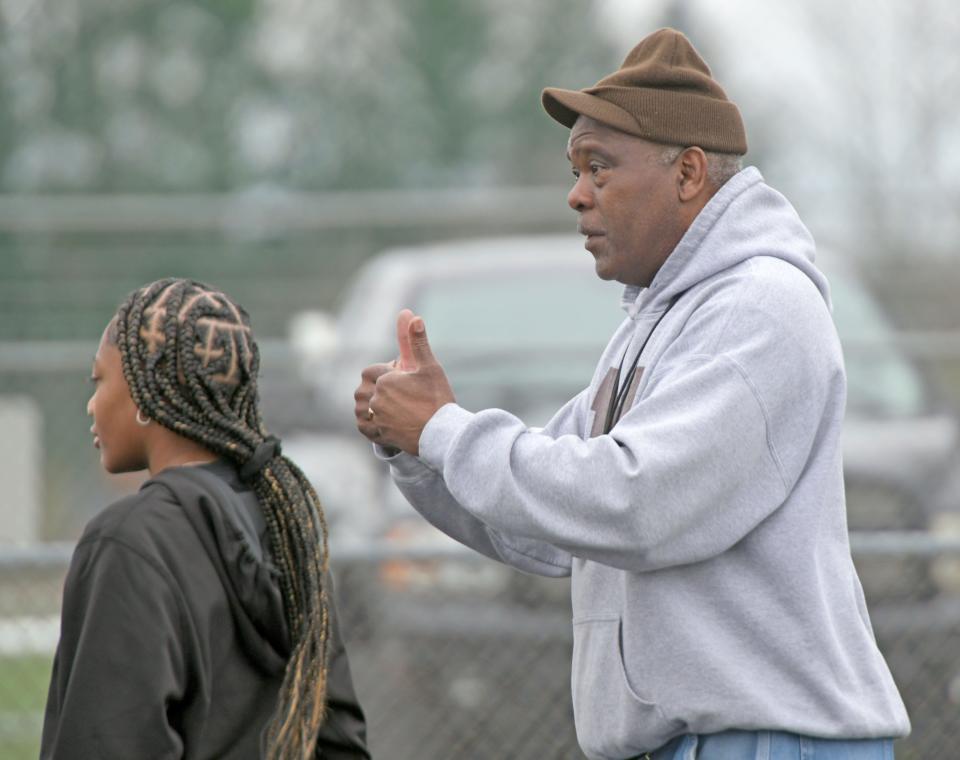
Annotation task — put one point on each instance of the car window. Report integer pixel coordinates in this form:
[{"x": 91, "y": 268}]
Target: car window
[
  {"x": 881, "y": 380},
  {"x": 524, "y": 341},
  {"x": 521, "y": 311}
]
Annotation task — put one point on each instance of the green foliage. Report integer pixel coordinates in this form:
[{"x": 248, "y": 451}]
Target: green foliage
[
  {"x": 228, "y": 95},
  {"x": 147, "y": 96}
]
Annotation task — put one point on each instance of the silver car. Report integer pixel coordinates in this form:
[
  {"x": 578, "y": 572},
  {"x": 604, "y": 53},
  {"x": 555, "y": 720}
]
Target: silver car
[{"x": 519, "y": 324}]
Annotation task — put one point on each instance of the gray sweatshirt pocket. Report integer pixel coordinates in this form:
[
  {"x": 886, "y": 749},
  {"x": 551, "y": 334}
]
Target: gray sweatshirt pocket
[{"x": 612, "y": 720}]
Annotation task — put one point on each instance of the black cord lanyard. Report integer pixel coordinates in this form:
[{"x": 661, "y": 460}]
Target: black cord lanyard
[{"x": 616, "y": 408}]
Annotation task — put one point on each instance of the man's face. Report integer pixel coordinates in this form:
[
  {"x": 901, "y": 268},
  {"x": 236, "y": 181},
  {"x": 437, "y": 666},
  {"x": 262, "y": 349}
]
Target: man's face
[
  {"x": 121, "y": 441},
  {"x": 627, "y": 200}
]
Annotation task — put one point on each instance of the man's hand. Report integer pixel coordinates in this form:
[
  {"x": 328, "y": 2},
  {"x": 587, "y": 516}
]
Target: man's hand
[
  {"x": 363, "y": 395},
  {"x": 403, "y": 400},
  {"x": 368, "y": 378}
]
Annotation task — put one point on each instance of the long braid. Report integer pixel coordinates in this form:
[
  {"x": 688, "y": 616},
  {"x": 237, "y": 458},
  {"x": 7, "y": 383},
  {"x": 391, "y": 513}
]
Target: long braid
[{"x": 191, "y": 364}]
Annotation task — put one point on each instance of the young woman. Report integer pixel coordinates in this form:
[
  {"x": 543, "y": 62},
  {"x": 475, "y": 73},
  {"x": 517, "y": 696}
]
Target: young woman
[{"x": 198, "y": 617}]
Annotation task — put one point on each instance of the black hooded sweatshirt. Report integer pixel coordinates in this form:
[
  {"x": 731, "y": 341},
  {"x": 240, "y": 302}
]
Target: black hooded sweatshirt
[{"x": 173, "y": 641}]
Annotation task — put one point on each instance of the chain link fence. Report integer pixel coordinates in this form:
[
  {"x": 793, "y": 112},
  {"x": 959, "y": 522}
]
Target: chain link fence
[{"x": 453, "y": 655}]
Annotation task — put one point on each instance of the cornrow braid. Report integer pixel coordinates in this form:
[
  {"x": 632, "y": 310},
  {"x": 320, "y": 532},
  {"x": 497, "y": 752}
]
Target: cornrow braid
[{"x": 191, "y": 362}]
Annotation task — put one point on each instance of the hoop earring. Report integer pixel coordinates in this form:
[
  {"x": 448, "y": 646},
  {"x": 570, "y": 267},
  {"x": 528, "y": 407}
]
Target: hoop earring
[{"x": 141, "y": 420}]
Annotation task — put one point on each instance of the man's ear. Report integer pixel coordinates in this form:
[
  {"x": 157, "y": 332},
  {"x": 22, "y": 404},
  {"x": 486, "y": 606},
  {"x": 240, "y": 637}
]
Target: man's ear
[{"x": 692, "y": 180}]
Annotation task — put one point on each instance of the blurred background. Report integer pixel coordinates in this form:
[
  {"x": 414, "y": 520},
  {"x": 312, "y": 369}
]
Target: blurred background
[{"x": 327, "y": 163}]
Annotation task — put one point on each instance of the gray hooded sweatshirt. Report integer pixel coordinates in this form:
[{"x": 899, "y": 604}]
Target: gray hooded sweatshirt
[{"x": 706, "y": 535}]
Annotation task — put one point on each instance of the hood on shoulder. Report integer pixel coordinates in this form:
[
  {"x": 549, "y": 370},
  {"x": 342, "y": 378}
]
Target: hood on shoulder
[
  {"x": 745, "y": 218},
  {"x": 228, "y": 520}
]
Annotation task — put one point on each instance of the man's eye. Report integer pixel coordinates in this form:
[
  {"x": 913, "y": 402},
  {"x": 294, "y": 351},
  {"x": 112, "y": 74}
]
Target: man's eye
[
  {"x": 596, "y": 168},
  {"x": 576, "y": 173}
]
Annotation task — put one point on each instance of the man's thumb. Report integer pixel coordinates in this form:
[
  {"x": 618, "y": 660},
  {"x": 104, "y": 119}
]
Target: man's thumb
[
  {"x": 407, "y": 362},
  {"x": 419, "y": 345}
]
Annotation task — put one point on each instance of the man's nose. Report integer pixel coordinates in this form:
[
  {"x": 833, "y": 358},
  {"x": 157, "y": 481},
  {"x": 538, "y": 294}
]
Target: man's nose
[
  {"x": 90, "y": 407},
  {"x": 579, "y": 197}
]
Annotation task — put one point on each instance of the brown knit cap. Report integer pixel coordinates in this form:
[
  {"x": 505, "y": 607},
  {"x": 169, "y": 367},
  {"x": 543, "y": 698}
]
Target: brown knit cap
[{"x": 663, "y": 92}]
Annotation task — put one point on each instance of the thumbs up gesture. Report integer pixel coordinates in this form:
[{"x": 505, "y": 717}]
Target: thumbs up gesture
[
  {"x": 400, "y": 402},
  {"x": 406, "y": 360}
]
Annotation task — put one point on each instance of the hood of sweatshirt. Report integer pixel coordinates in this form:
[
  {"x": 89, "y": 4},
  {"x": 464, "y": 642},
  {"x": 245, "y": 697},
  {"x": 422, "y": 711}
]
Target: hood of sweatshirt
[
  {"x": 745, "y": 218},
  {"x": 229, "y": 521}
]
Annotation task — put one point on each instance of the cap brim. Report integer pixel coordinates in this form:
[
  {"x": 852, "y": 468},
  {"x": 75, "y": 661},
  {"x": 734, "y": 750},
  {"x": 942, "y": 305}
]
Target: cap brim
[{"x": 565, "y": 106}]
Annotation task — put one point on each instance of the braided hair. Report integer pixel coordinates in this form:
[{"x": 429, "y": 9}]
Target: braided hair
[{"x": 190, "y": 360}]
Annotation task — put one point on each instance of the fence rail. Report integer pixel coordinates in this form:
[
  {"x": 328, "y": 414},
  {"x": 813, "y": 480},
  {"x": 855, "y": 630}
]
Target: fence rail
[
  {"x": 56, "y": 554},
  {"x": 67, "y": 355},
  {"x": 282, "y": 210},
  {"x": 457, "y": 656}
]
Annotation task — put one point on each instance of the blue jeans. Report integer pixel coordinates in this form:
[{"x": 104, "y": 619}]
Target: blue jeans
[{"x": 771, "y": 745}]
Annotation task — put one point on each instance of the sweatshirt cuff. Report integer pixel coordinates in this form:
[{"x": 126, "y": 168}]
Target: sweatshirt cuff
[
  {"x": 440, "y": 432},
  {"x": 386, "y": 453},
  {"x": 403, "y": 466}
]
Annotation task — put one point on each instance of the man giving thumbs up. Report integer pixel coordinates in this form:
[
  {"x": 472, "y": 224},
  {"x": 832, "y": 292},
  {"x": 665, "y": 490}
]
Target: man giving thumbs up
[{"x": 694, "y": 489}]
